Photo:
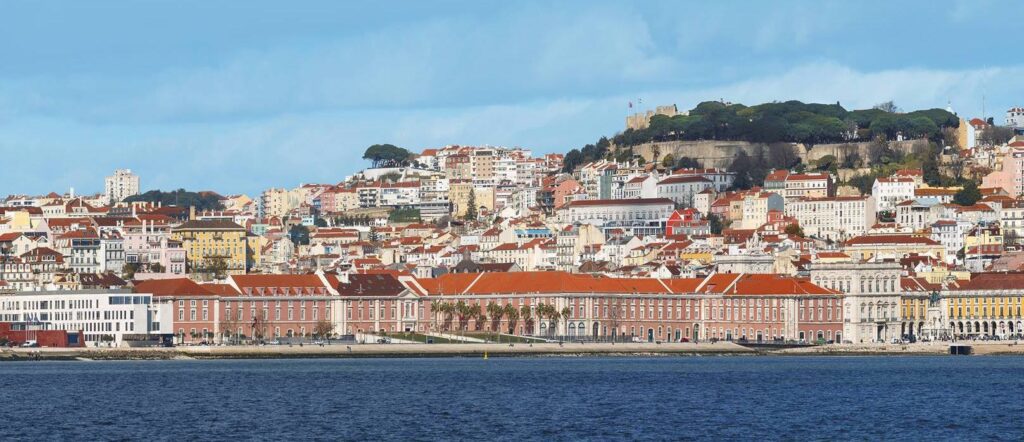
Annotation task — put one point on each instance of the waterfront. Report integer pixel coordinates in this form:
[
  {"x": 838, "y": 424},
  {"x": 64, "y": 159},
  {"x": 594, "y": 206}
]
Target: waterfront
[{"x": 729, "y": 398}]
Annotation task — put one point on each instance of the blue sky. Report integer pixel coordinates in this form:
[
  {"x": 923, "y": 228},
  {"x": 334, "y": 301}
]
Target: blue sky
[{"x": 240, "y": 96}]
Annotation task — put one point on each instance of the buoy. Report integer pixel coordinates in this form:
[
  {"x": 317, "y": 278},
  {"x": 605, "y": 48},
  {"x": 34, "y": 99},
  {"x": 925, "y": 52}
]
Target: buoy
[{"x": 485, "y": 355}]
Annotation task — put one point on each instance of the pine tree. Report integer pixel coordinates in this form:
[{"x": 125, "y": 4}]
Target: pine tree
[{"x": 471, "y": 205}]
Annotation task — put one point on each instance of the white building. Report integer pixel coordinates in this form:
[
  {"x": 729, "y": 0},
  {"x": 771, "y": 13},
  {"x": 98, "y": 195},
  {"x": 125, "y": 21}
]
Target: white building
[
  {"x": 619, "y": 211},
  {"x": 122, "y": 184},
  {"x": 919, "y": 213},
  {"x": 683, "y": 188},
  {"x": 834, "y": 218},
  {"x": 950, "y": 234},
  {"x": 96, "y": 313},
  {"x": 872, "y": 302},
  {"x": 889, "y": 192},
  {"x": 1015, "y": 117},
  {"x": 756, "y": 207},
  {"x": 721, "y": 179}
]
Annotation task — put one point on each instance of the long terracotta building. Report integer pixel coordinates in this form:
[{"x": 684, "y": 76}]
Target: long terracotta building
[{"x": 721, "y": 306}]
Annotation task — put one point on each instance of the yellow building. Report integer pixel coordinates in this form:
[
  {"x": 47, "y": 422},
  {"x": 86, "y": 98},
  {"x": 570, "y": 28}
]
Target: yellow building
[
  {"x": 458, "y": 194},
  {"x": 987, "y": 305},
  {"x": 207, "y": 241}
]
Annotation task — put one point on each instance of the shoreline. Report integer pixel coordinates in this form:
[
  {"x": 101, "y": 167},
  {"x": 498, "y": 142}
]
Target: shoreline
[{"x": 491, "y": 350}]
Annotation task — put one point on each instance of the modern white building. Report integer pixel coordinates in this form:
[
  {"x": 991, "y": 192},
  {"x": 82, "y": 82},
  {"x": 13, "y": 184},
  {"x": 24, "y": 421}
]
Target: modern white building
[
  {"x": 835, "y": 218},
  {"x": 101, "y": 315},
  {"x": 122, "y": 184}
]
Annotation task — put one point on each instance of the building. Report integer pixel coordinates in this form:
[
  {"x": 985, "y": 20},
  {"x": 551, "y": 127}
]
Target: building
[
  {"x": 756, "y": 206},
  {"x": 889, "y": 192},
  {"x": 833, "y": 218},
  {"x": 18, "y": 333},
  {"x": 892, "y": 247},
  {"x": 721, "y": 179},
  {"x": 808, "y": 185},
  {"x": 987, "y": 305},
  {"x": 102, "y": 316},
  {"x": 207, "y": 243},
  {"x": 122, "y": 184},
  {"x": 1015, "y": 117},
  {"x": 462, "y": 192},
  {"x": 624, "y": 211},
  {"x": 682, "y": 189},
  {"x": 872, "y": 297}
]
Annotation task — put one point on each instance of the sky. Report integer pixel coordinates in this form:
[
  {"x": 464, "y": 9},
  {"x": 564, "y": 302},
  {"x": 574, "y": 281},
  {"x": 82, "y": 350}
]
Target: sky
[{"x": 241, "y": 96}]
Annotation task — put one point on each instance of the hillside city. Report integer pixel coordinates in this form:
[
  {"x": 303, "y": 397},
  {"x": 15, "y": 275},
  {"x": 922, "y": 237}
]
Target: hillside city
[{"x": 780, "y": 222}]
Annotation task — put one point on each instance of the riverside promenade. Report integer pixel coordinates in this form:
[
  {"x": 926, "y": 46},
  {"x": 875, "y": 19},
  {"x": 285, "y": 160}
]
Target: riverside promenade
[{"x": 474, "y": 350}]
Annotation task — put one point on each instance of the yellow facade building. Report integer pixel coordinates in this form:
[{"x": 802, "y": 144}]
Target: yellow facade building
[
  {"x": 459, "y": 192},
  {"x": 208, "y": 241}
]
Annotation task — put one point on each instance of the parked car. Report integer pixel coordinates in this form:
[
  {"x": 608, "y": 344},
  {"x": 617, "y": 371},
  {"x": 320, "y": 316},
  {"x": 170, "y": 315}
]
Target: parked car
[
  {"x": 30, "y": 344},
  {"x": 684, "y": 340},
  {"x": 384, "y": 340}
]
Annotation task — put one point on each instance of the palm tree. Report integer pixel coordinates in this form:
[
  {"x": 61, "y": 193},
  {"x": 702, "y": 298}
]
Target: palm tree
[
  {"x": 463, "y": 311},
  {"x": 527, "y": 320},
  {"x": 566, "y": 313},
  {"x": 435, "y": 309},
  {"x": 477, "y": 314},
  {"x": 553, "y": 316},
  {"x": 447, "y": 310},
  {"x": 496, "y": 312},
  {"x": 513, "y": 318}
]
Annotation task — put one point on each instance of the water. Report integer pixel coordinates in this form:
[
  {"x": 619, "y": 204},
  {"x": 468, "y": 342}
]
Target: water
[{"x": 668, "y": 398}]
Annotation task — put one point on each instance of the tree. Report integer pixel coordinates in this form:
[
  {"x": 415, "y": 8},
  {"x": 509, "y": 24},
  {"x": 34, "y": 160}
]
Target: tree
[
  {"x": 715, "y": 224},
  {"x": 863, "y": 183},
  {"x": 526, "y": 314},
  {"x": 741, "y": 165},
  {"x": 323, "y": 329},
  {"x": 669, "y": 161},
  {"x": 828, "y": 163},
  {"x": 879, "y": 151},
  {"x": 156, "y": 268},
  {"x": 996, "y": 135},
  {"x": 229, "y": 324},
  {"x": 386, "y": 155},
  {"x": 968, "y": 195},
  {"x": 320, "y": 222},
  {"x": 495, "y": 311},
  {"x": 471, "y": 205},
  {"x": 129, "y": 269},
  {"x": 299, "y": 234},
  {"x": 887, "y": 106},
  {"x": 513, "y": 318},
  {"x": 852, "y": 160},
  {"x": 180, "y": 198},
  {"x": 566, "y": 313},
  {"x": 782, "y": 156},
  {"x": 688, "y": 163},
  {"x": 217, "y": 266},
  {"x": 795, "y": 230}
]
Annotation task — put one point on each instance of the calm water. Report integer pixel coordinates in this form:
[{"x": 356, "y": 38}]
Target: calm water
[{"x": 722, "y": 398}]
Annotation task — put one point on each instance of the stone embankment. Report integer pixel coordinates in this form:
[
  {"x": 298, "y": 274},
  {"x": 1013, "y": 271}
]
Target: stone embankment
[
  {"x": 375, "y": 350},
  {"x": 492, "y": 350}
]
